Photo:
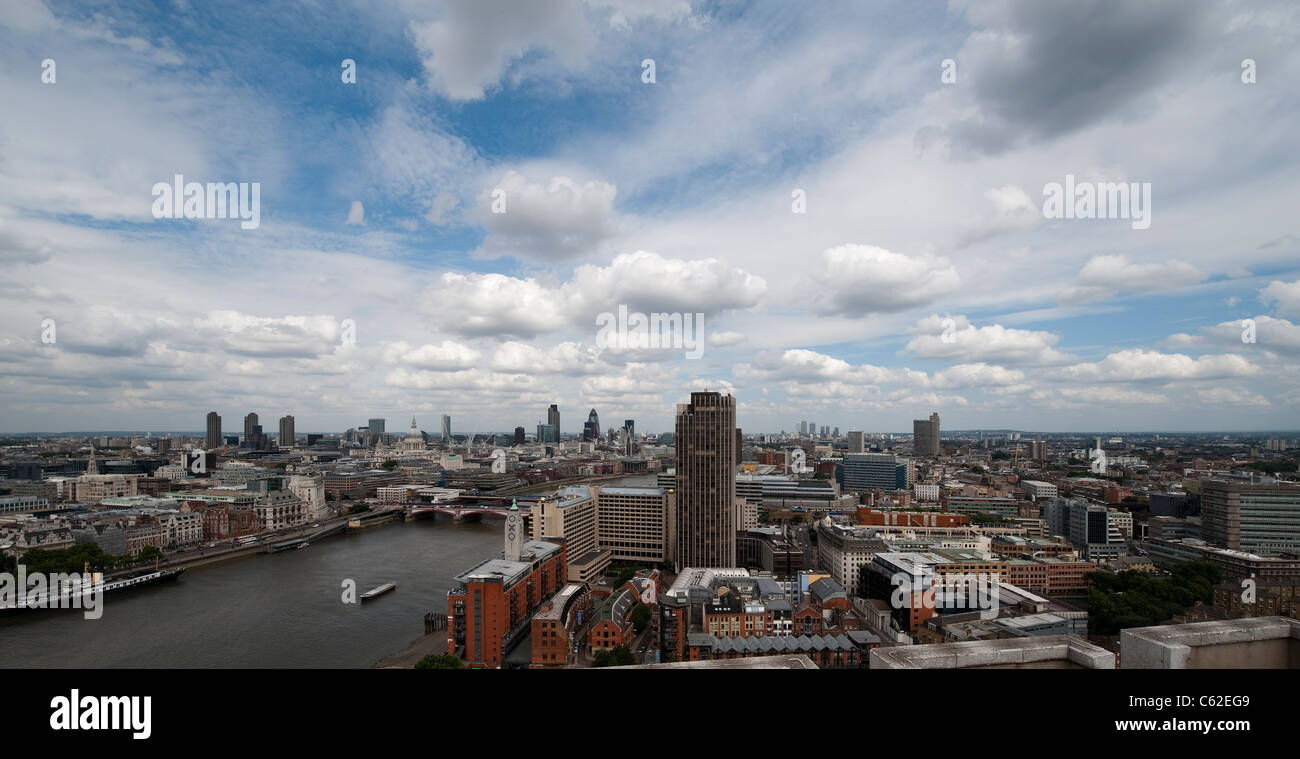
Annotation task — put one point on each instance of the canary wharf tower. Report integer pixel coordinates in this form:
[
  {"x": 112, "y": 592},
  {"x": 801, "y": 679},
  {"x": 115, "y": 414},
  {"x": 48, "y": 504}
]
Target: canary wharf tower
[{"x": 706, "y": 481}]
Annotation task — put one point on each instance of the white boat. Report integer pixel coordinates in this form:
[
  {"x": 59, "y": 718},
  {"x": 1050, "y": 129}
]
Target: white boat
[{"x": 378, "y": 591}]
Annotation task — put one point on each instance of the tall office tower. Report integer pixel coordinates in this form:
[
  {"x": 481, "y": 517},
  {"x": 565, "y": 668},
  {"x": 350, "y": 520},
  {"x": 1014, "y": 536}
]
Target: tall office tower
[
  {"x": 855, "y": 442},
  {"x": 863, "y": 472},
  {"x": 1262, "y": 519},
  {"x": 446, "y": 429},
  {"x": 519, "y": 435},
  {"x": 548, "y": 433},
  {"x": 591, "y": 430},
  {"x": 213, "y": 439},
  {"x": 706, "y": 481},
  {"x": 553, "y": 417},
  {"x": 250, "y": 424},
  {"x": 812, "y": 428},
  {"x": 803, "y": 429},
  {"x": 630, "y": 426},
  {"x": 1038, "y": 450},
  {"x": 925, "y": 436},
  {"x": 740, "y": 447},
  {"x": 835, "y": 432},
  {"x": 376, "y": 427},
  {"x": 286, "y": 432}
]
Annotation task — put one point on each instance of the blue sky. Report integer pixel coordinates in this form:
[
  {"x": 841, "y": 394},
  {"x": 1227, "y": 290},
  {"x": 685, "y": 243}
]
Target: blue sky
[{"x": 923, "y": 202}]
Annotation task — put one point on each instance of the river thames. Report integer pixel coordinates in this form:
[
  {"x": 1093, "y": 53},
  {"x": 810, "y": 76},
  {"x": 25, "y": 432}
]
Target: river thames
[{"x": 262, "y": 611}]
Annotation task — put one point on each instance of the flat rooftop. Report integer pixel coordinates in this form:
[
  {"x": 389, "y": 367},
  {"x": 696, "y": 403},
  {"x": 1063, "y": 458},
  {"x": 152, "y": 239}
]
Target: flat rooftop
[
  {"x": 633, "y": 491},
  {"x": 507, "y": 571},
  {"x": 796, "y": 661},
  {"x": 1042, "y": 652}
]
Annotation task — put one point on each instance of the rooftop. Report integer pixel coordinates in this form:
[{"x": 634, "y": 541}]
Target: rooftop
[{"x": 1043, "y": 652}]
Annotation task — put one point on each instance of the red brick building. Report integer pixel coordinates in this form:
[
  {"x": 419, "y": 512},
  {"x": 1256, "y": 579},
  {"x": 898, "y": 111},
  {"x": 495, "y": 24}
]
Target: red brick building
[
  {"x": 613, "y": 627},
  {"x": 489, "y": 610},
  {"x": 555, "y": 624}
]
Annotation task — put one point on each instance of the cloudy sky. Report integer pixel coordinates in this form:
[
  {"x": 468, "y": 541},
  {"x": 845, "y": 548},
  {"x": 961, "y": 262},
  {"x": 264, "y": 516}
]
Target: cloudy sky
[{"x": 801, "y": 174}]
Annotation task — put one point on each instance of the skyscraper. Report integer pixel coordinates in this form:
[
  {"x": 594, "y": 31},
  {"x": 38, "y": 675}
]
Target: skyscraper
[
  {"x": 706, "y": 481},
  {"x": 250, "y": 425},
  {"x": 376, "y": 427},
  {"x": 925, "y": 436},
  {"x": 286, "y": 432},
  {"x": 553, "y": 417},
  {"x": 213, "y": 439},
  {"x": 855, "y": 442},
  {"x": 446, "y": 429},
  {"x": 591, "y": 430},
  {"x": 519, "y": 436}
]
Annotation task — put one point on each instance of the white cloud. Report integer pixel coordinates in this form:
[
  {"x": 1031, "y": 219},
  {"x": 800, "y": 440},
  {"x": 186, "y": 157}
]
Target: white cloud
[
  {"x": 1285, "y": 297},
  {"x": 855, "y": 280},
  {"x": 1147, "y": 365},
  {"x": 991, "y": 343},
  {"x": 1103, "y": 276},
  {"x": 466, "y": 51},
  {"x": 558, "y": 220},
  {"x": 444, "y": 356},
  {"x": 356, "y": 213},
  {"x": 492, "y": 304}
]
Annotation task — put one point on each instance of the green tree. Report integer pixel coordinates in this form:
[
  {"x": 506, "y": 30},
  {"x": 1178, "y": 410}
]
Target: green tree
[
  {"x": 440, "y": 661},
  {"x": 389, "y": 465},
  {"x": 602, "y": 658},
  {"x": 623, "y": 656},
  {"x": 640, "y": 617},
  {"x": 149, "y": 553}
]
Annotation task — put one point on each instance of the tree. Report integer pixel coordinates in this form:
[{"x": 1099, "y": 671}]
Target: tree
[
  {"x": 149, "y": 553},
  {"x": 389, "y": 465},
  {"x": 440, "y": 661},
  {"x": 602, "y": 658},
  {"x": 623, "y": 656},
  {"x": 977, "y": 469},
  {"x": 640, "y": 617}
]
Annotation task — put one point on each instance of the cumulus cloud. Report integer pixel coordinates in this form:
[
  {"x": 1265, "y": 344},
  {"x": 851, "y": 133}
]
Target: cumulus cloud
[
  {"x": 286, "y": 336},
  {"x": 556, "y": 220},
  {"x": 962, "y": 340},
  {"x": 466, "y": 51},
  {"x": 856, "y": 280},
  {"x": 1103, "y": 276},
  {"x": 492, "y": 304},
  {"x": 1284, "y": 296},
  {"x": 1148, "y": 365},
  {"x": 446, "y": 355},
  {"x": 652, "y": 283}
]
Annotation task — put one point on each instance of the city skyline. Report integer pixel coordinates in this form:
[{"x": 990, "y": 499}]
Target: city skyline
[{"x": 863, "y": 229}]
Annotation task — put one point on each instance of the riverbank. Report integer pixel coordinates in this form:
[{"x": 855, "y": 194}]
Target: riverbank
[{"x": 430, "y": 643}]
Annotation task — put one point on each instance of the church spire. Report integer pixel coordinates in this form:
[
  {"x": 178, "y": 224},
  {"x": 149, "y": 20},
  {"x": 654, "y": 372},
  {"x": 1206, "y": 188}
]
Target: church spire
[{"x": 92, "y": 467}]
